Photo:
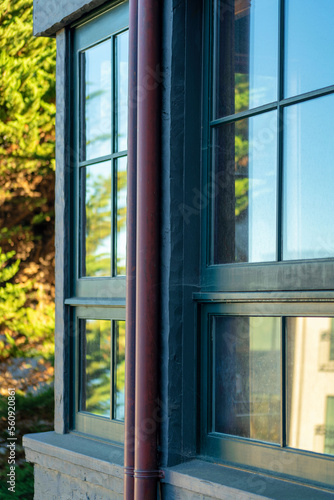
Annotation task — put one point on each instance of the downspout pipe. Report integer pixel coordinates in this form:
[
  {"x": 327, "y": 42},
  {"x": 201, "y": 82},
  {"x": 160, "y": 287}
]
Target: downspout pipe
[
  {"x": 147, "y": 301},
  {"x": 130, "y": 338}
]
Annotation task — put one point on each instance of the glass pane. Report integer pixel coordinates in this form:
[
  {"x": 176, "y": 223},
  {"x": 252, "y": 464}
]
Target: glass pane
[
  {"x": 244, "y": 190},
  {"x": 122, "y": 56},
  {"x": 96, "y": 100},
  {"x": 245, "y": 58},
  {"x": 309, "y": 62},
  {"x": 308, "y": 230},
  {"x": 121, "y": 188},
  {"x": 95, "y": 366},
  {"x": 120, "y": 370},
  {"x": 310, "y": 383},
  {"x": 95, "y": 214},
  {"x": 247, "y": 377},
  {"x": 329, "y": 427}
]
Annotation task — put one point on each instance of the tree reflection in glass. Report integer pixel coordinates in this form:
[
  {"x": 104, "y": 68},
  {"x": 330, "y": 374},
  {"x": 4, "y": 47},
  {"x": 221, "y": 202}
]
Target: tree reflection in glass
[
  {"x": 95, "y": 366},
  {"x": 122, "y": 55},
  {"x": 119, "y": 370},
  {"x": 245, "y": 180},
  {"x": 245, "y": 53},
  {"x": 96, "y": 99},
  {"x": 96, "y": 223},
  {"x": 120, "y": 237}
]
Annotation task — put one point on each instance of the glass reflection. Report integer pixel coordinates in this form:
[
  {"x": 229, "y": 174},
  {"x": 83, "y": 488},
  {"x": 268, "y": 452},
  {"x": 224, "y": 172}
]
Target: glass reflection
[
  {"x": 120, "y": 370},
  {"x": 122, "y": 56},
  {"x": 244, "y": 190},
  {"x": 246, "y": 47},
  {"x": 96, "y": 99},
  {"x": 246, "y": 378},
  {"x": 308, "y": 199},
  {"x": 95, "y": 213},
  {"x": 309, "y": 62},
  {"x": 310, "y": 385},
  {"x": 121, "y": 188},
  {"x": 95, "y": 366}
]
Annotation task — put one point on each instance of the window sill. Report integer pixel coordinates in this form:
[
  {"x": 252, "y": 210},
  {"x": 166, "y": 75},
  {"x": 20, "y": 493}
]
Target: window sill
[
  {"x": 215, "y": 481},
  {"x": 102, "y": 464},
  {"x": 79, "y": 457}
]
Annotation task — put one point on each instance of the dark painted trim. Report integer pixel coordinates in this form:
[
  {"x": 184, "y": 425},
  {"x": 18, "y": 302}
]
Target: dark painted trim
[{"x": 62, "y": 240}]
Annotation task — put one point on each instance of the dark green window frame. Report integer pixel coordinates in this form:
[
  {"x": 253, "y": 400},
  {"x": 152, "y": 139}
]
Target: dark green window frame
[
  {"x": 93, "y": 297},
  {"x": 247, "y": 452},
  {"x": 281, "y": 288},
  {"x": 310, "y": 274}
]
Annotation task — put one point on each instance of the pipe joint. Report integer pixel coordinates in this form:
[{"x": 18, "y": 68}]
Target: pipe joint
[{"x": 149, "y": 474}]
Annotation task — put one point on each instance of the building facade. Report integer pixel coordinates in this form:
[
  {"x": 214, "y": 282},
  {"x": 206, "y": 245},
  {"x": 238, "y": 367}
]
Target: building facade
[{"x": 194, "y": 251}]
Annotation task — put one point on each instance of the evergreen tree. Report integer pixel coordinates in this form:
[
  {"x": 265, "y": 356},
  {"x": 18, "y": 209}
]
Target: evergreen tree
[{"x": 27, "y": 144}]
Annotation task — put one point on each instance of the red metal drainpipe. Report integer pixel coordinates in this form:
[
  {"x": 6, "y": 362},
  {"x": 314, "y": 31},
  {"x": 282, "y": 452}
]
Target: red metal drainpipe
[
  {"x": 130, "y": 349},
  {"x": 147, "y": 302}
]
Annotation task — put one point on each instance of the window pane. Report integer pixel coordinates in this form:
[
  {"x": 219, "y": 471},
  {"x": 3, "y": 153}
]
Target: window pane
[
  {"x": 95, "y": 366},
  {"x": 309, "y": 42},
  {"x": 247, "y": 377},
  {"x": 119, "y": 370},
  {"x": 122, "y": 52},
  {"x": 96, "y": 220},
  {"x": 308, "y": 230},
  {"x": 310, "y": 422},
  {"x": 244, "y": 190},
  {"x": 120, "y": 239},
  {"x": 329, "y": 427},
  {"x": 246, "y": 40},
  {"x": 96, "y": 101}
]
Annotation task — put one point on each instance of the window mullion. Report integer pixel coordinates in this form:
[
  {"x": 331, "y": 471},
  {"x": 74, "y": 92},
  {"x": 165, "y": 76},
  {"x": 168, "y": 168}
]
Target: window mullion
[{"x": 280, "y": 92}]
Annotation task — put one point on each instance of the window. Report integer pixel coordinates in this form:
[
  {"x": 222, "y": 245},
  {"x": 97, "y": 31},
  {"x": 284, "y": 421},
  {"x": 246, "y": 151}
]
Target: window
[
  {"x": 266, "y": 304},
  {"x": 99, "y": 96}
]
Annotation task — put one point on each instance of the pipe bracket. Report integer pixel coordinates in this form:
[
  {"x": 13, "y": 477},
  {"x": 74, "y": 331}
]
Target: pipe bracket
[{"x": 148, "y": 474}]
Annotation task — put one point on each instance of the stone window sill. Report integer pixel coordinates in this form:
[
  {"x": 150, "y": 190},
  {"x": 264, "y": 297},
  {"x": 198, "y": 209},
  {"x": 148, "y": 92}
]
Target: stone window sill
[{"x": 102, "y": 464}]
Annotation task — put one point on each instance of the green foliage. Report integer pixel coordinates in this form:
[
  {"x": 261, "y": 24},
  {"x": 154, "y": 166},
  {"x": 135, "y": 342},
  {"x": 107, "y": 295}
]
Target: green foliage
[
  {"x": 24, "y": 331},
  {"x": 27, "y": 144},
  {"x": 34, "y": 413}
]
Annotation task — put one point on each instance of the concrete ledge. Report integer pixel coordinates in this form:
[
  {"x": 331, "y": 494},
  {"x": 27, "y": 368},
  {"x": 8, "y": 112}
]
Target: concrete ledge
[
  {"x": 79, "y": 463},
  {"x": 81, "y": 458},
  {"x": 51, "y": 16},
  {"x": 201, "y": 480}
]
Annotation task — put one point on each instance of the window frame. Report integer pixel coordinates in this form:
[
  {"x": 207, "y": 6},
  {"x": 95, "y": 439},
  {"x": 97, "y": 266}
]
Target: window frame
[
  {"x": 310, "y": 274},
  {"x": 281, "y": 288},
  {"x": 247, "y": 452},
  {"x": 91, "y": 297}
]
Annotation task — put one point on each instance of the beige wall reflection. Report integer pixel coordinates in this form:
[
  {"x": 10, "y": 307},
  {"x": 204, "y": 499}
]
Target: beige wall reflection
[{"x": 310, "y": 386}]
